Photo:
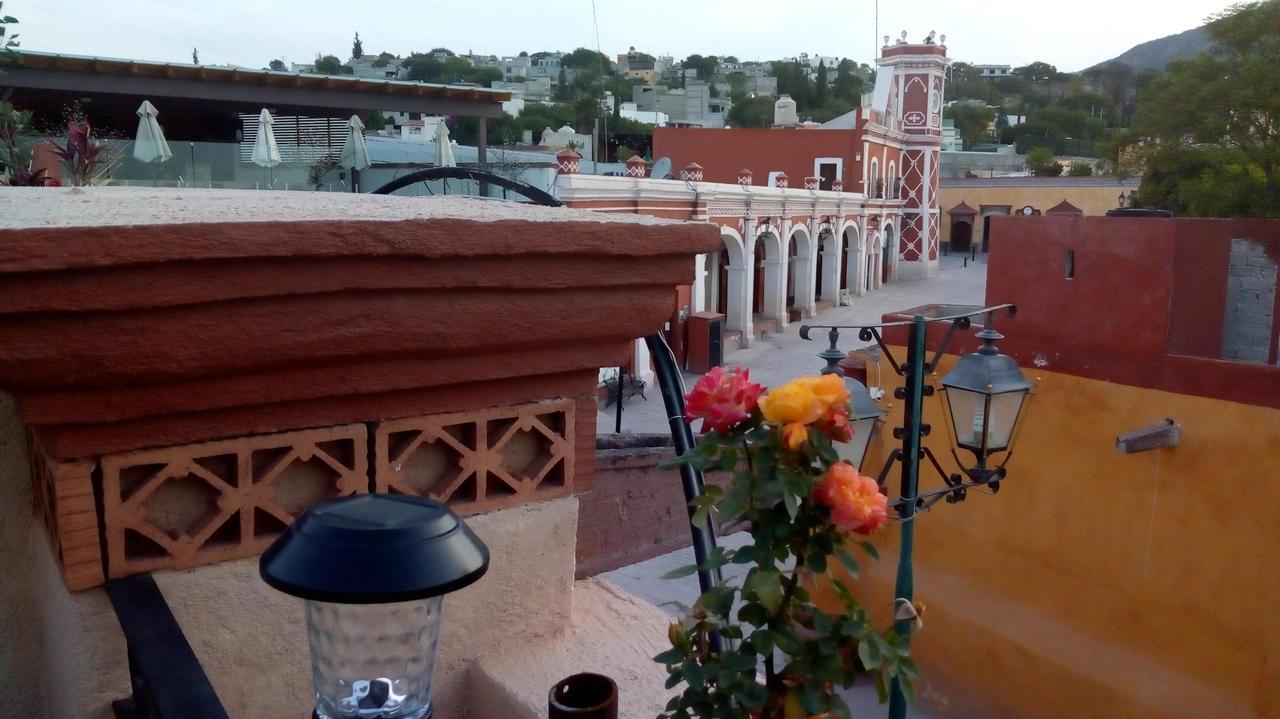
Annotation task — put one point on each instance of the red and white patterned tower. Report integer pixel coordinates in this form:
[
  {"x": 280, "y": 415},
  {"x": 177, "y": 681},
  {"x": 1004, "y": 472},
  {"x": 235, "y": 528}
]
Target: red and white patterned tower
[{"x": 916, "y": 73}]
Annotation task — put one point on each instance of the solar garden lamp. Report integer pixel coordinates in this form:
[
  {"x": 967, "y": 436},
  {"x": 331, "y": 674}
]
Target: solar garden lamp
[{"x": 373, "y": 571}]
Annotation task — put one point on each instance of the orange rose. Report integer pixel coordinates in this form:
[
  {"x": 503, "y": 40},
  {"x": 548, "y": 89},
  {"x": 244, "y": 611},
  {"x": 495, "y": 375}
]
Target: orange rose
[
  {"x": 794, "y": 435},
  {"x": 855, "y": 501}
]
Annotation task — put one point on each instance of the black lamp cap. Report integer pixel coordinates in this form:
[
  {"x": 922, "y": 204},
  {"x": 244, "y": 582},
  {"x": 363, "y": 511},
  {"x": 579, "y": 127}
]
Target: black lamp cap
[{"x": 375, "y": 549}]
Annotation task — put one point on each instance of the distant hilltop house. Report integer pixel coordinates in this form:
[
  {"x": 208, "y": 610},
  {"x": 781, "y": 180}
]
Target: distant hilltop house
[{"x": 994, "y": 72}]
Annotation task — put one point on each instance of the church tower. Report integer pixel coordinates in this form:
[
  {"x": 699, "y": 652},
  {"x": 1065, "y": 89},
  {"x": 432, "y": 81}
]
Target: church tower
[{"x": 918, "y": 73}]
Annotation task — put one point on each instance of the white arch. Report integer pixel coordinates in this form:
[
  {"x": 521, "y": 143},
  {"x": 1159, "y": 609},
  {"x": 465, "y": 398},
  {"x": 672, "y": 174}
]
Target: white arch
[
  {"x": 851, "y": 242},
  {"x": 890, "y": 178},
  {"x": 873, "y": 178},
  {"x": 800, "y": 269},
  {"x": 891, "y": 252},
  {"x": 831, "y": 247},
  {"x": 775, "y": 277},
  {"x": 737, "y": 292}
]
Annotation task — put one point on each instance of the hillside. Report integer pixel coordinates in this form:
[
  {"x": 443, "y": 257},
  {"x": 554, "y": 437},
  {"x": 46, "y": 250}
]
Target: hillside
[{"x": 1155, "y": 54}]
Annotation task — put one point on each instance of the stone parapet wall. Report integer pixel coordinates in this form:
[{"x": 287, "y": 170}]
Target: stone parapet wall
[{"x": 635, "y": 511}]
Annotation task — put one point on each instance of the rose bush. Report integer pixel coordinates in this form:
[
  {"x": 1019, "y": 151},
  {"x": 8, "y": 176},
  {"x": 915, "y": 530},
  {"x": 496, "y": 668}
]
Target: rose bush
[{"x": 782, "y": 656}]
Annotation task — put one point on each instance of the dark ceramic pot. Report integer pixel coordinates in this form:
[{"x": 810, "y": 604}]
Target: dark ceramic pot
[{"x": 583, "y": 696}]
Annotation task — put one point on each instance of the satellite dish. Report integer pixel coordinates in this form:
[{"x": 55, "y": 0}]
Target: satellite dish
[{"x": 661, "y": 169}]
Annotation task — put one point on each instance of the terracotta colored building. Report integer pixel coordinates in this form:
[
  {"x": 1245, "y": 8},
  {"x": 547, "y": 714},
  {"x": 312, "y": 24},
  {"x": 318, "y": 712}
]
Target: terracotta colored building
[{"x": 808, "y": 217}]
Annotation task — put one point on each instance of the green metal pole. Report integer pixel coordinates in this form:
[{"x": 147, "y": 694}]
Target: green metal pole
[{"x": 914, "y": 407}]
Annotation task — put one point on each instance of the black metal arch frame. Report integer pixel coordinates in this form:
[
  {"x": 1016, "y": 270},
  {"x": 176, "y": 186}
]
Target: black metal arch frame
[{"x": 534, "y": 195}]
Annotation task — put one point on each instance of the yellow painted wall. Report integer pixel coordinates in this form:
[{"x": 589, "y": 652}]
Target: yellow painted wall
[
  {"x": 1037, "y": 192},
  {"x": 1097, "y": 584}
]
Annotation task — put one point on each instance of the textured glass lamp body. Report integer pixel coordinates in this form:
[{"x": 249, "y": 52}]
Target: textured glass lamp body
[{"x": 373, "y": 661}]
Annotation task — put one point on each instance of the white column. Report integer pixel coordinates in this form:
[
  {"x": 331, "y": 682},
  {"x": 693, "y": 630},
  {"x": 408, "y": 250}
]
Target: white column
[
  {"x": 775, "y": 276},
  {"x": 700, "y": 279},
  {"x": 640, "y": 367}
]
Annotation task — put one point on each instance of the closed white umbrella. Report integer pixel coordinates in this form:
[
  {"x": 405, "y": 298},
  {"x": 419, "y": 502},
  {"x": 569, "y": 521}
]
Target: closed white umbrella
[
  {"x": 150, "y": 145},
  {"x": 444, "y": 151},
  {"x": 265, "y": 151},
  {"x": 355, "y": 153}
]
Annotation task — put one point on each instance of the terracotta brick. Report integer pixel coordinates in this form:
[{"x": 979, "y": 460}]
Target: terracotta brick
[
  {"x": 481, "y": 460},
  {"x": 64, "y": 502},
  {"x": 196, "y": 504}
]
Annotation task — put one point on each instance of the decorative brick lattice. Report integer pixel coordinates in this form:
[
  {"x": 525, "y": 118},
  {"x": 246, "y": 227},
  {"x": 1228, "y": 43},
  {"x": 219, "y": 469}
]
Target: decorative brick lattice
[
  {"x": 479, "y": 461},
  {"x": 63, "y": 494},
  {"x": 190, "y": 505}
]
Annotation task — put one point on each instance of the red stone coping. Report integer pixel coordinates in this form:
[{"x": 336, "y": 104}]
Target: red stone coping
[{"x": 181, "y": 328}]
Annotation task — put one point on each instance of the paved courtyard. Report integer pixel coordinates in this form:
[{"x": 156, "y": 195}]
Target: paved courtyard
[{"x": 784, "y": 356}]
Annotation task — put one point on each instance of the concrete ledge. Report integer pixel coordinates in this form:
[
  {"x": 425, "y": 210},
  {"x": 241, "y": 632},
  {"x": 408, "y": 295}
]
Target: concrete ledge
[{"x": 612, "y": 633}]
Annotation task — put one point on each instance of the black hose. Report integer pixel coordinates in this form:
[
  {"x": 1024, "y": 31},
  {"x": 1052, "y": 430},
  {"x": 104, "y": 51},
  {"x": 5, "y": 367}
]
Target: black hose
[{"x": 704, "y": 539}]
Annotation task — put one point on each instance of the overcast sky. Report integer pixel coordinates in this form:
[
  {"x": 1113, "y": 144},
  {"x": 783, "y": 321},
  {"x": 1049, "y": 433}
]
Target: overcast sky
[{"x": 1072, "y": 35}]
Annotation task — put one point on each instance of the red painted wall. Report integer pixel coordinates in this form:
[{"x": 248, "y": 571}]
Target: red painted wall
[
  {"x": 1145, "y": 306},
  {"x": 723, "y": 152}
]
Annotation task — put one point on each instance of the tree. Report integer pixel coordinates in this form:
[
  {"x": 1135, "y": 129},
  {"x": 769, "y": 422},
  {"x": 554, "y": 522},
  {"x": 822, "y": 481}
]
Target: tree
[
  {"x": 328, "y": 65},
  {"x": 752, "y": 112},
  {"x": 705, "y": 65},
  {"x": 1216, "y": 119},
  {"x": 1041, "y": 163},
  {"x": 848, "y": 86},
  {"x": 972, "y": 122},
  {"x": 8, "y": 43},
  {"x": 357, "y": 48},
  {"x": 1080, "y": 169},
  {"x": 820, "y": 88},
  {"x": 277, "y": 65},
  {"x": 587, "y": 60},
  {"x": 1037, "y": 73},
  {"x": 195, "y": 56}
]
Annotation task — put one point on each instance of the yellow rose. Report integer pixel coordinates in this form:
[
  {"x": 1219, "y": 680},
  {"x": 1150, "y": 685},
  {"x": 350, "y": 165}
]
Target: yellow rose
[
  {"x": 792, "y": 402},
  {"x": 829, "y": 389}
]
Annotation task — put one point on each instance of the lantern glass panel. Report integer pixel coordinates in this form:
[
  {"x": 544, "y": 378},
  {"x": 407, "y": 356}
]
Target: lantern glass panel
[
  {"x": 1004, "y": 416},
  {"x": 855, "y": 450},
  {"x": 373, "y": 661},
  {"x": 968, "y": 416}
]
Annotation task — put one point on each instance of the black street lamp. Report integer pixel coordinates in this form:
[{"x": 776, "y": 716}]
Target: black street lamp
[
  {"x": 863, "y": 419},
  {"x": 374, "y": 570},
  {"x": 985, "y": 395},
  {"x": 865, "y": 411},
  {"x": 1120, "y": 200}
]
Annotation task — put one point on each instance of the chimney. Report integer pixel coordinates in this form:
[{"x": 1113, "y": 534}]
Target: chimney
[
  {"x": 635, "y": 166},
  {"x": 692, "y": 172},
  {"x": 567, "y": 161},
  {"x": 744, "y": 177}
]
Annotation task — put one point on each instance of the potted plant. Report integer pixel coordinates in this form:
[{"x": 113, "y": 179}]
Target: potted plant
[{"x": 783, "y": 655}]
